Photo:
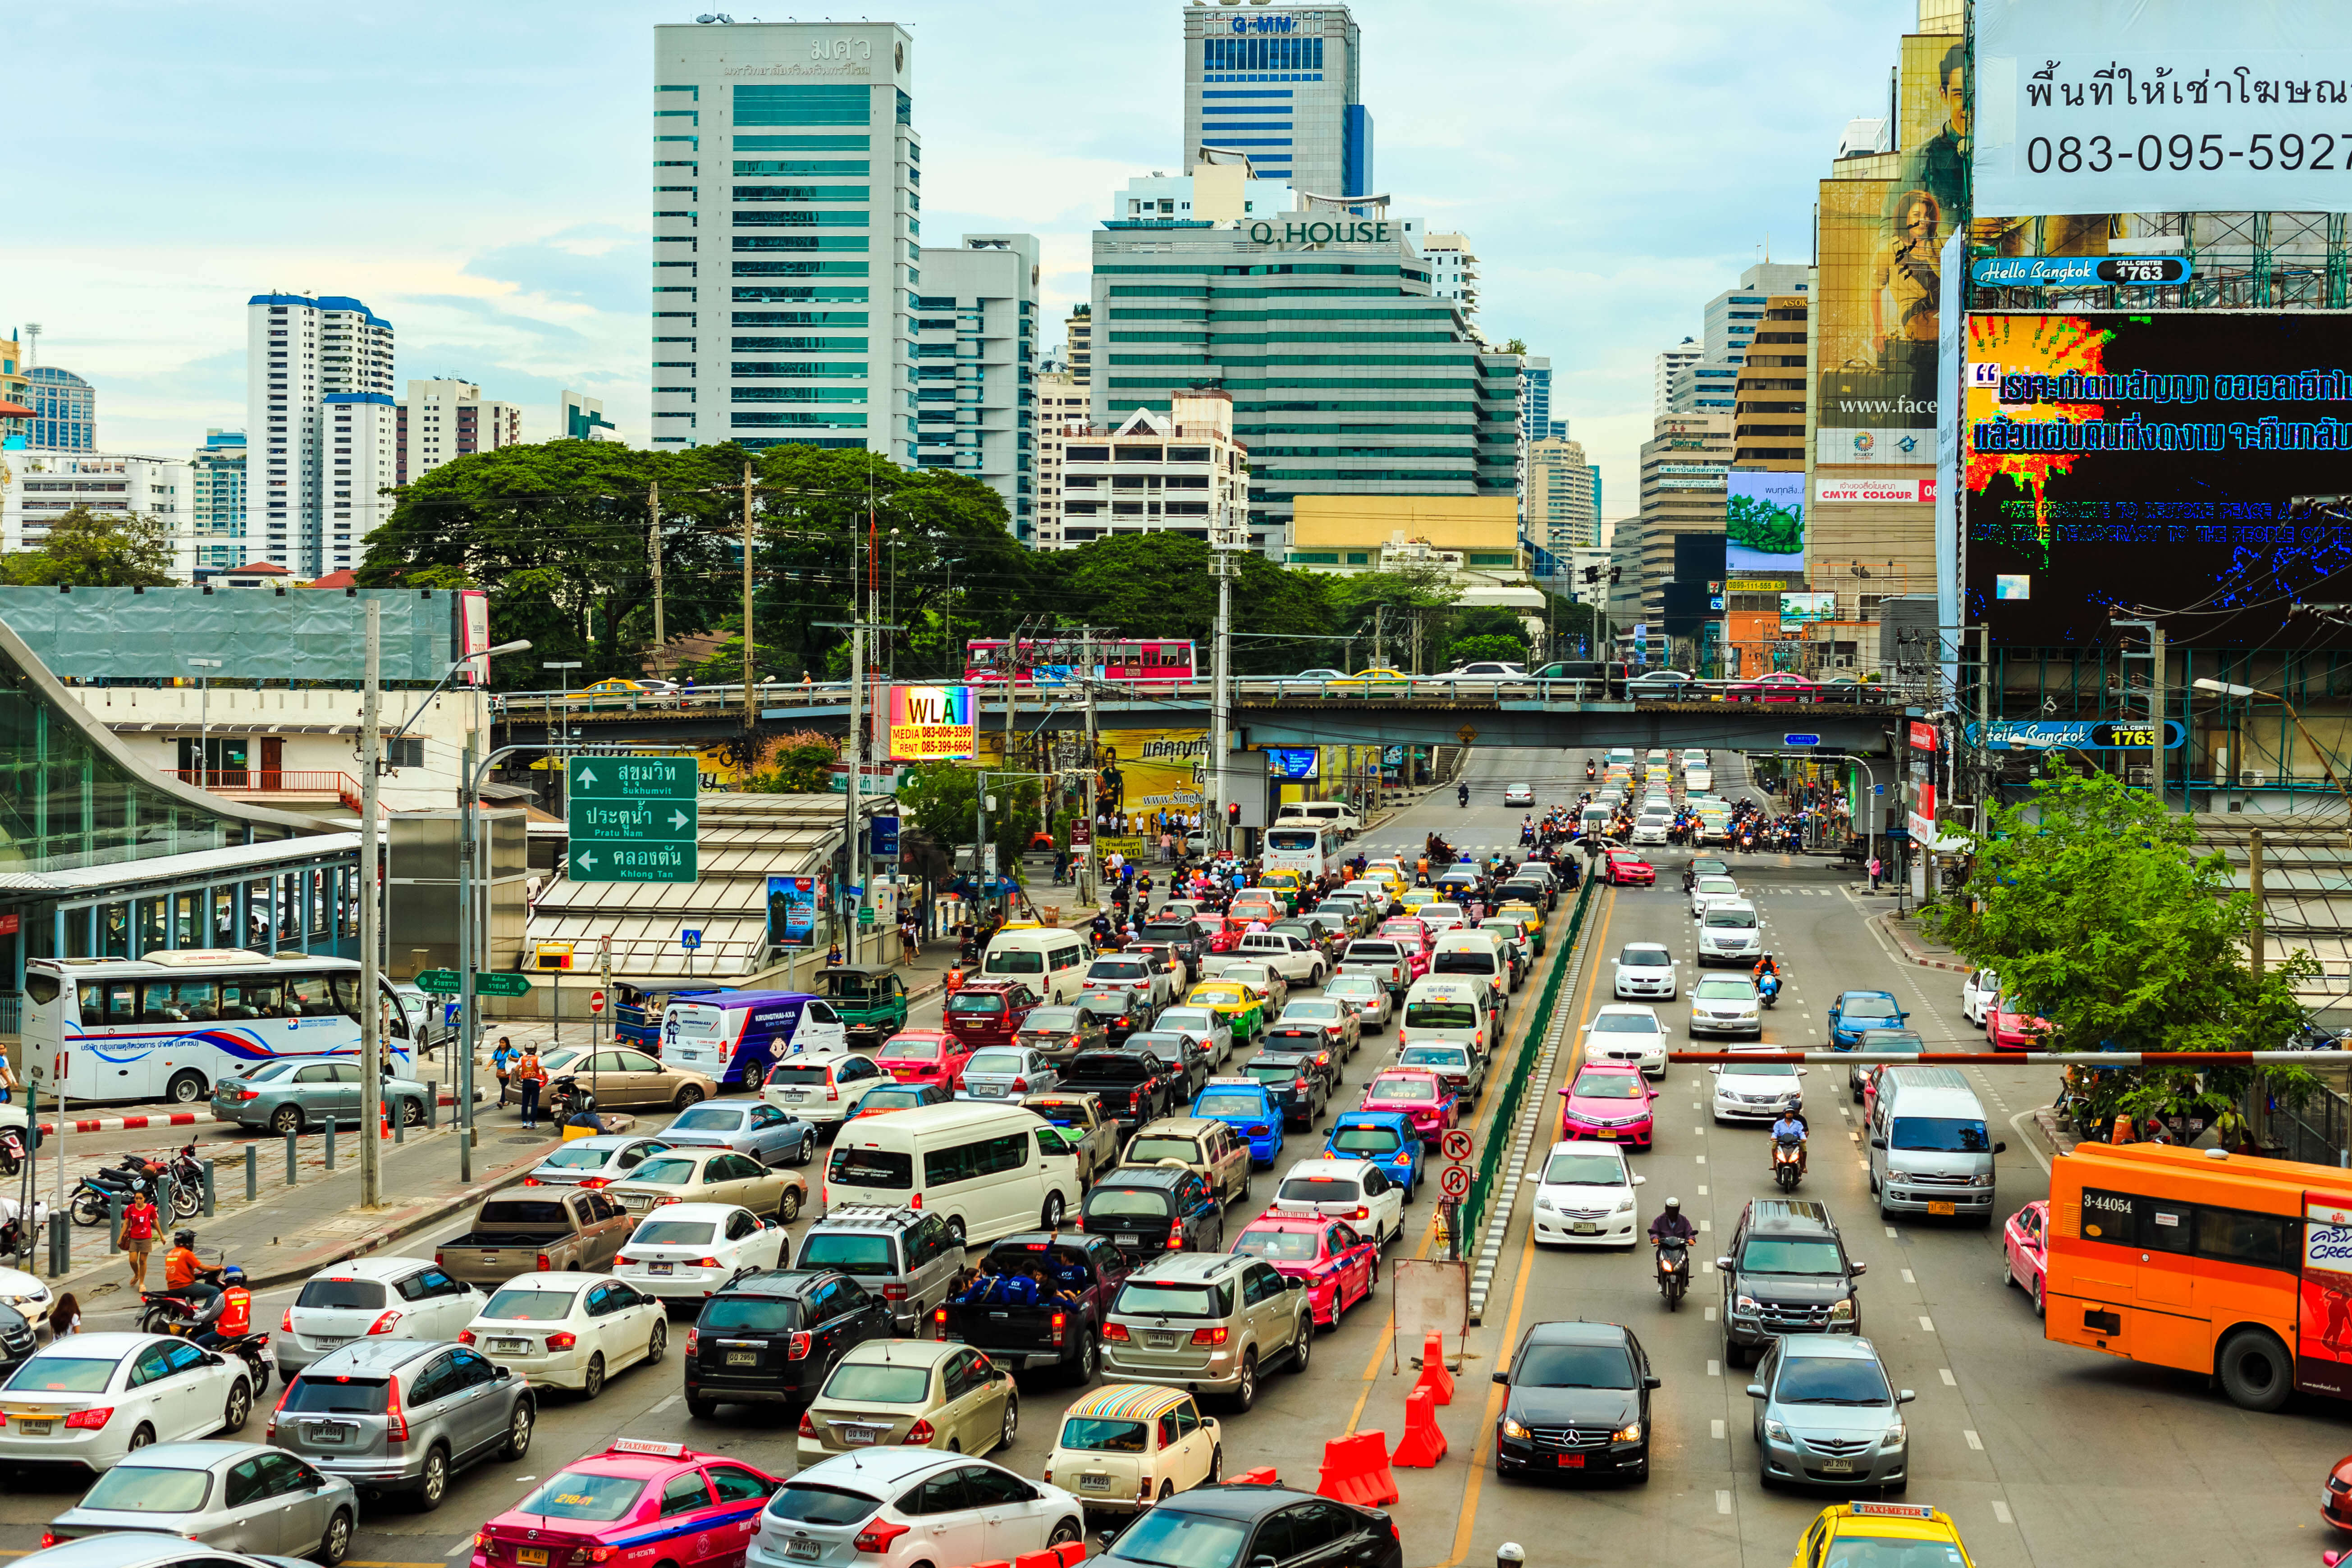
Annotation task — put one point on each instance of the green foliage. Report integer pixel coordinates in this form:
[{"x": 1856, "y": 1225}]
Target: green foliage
[
  {"x": 1485, "y": 644},
  {"x": 2092, "y": 903},
  {"x": 89, "y": 550},
  {"x": 941, "y": 799},
  {"x": 803, "y": 765}
]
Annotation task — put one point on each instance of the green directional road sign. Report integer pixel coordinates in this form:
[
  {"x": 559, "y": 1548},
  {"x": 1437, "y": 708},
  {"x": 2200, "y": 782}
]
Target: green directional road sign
[
  {"x": 633, "y": 819},
  {"x": 445, "y": 983}
]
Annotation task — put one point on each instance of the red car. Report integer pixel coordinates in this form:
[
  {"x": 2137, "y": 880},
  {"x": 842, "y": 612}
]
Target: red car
[
  {"x": 2025, "y": 1255},
  {"x": 2011, "y": 1030},
  {"x": 1609, "y": 1103},
  {"x": 1416, "y": 1092},
  {"x": 1226, "y": 935},
  {"x": 1337, "y": 1265},
  {"x": 1258, "y": 904},
  {"x": 629, "y": 1505},
  {"x": 1623, "y": 871},
  {"x": 989, "y": 1013},
  {"x": 1779, "y": 687},
  {"x": 924, "y": 1055}
]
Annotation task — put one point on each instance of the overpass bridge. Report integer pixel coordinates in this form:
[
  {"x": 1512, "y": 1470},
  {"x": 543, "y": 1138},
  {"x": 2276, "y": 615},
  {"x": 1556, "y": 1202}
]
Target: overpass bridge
[{"x": 1436, "y": 710}]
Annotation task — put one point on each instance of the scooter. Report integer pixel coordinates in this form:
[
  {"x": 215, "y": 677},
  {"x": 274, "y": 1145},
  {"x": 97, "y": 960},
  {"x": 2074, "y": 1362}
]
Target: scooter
[
  {"x": 1789, "y": 1163},
  {"x": 1673, "y": 1270},
  {"x": 168, "y": 1313},
  {"x": 1463, "y": 795},
  {"x": 1769, "y": 988}
]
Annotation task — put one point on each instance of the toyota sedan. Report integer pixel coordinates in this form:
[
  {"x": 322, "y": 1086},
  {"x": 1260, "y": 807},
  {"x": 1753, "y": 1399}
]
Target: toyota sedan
[
  {"x": 570, "y": 1330},
  {"x": 243, "y": 1497},
  {"x": 1339, "y": 1265},
  {"x": 1610, "y": 1104}
]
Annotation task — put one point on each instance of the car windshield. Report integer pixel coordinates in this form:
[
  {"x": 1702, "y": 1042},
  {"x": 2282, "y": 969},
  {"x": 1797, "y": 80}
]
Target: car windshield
[
  {"x": 1605, "y": 1086},
  {"x": 1017, "y": 961},
  {"x": 1718, "y": 885},
  {"x": 149, "y": 1489},
  {"x": 1160, "y": 1298},
  {"x": 1830, "y": 1380},
  {"x": 710, "y": 1119},
  {"x": 996, "y": 1061},
  {"x": 1352, "y": 985},
  {"x": 1119, "y": 969},
  {"x": 512, "y": 1305},
  {"x": 1099, "y": 1067},
  {"x": 674, "y": 1233},
  {"x": 579, "y": 1157},
  {"x": 1060, "y": 1019},
  {"x": 1721, "y": 990},
  {"x": 1859, "y": 1008},
  {"x": 1319, "y": 1189},
  {"x": 1401, "y": 1089},
  {"x": 1570, "y": 1168},
  {"x": 364, "y": 1294},
  {"x": 1274, "y": 1069},
  {"x": 667, "y": 1173},
  {"x": 969, "y": 1005},
  {"x": 1150, "y": 1149},
  {"x": 808, "y": 1503},
  {"x": 1731, "y": 919},
  {"x": 1940, "y": 1134},
  {"x": 331, "y": 1396},
  {"x": 577, "y": 1494},
  {"x": 1785, "y": 1255},
  {"x": 1367, "y": 1141},
  {"x": 1373, "y": 951},
  {"x": 1164, "y": 1538},
  {"x": 1314, "y": 1012},
  {"x": 860, "y": 1382},
  {"x": 787, "y": 1072},
  {"x": 1573, "y": 1366},
  {"x": 911, "y": 1050},
  {"x": 1893, "y": 1040},
  {"x": 1230, "y": 1103},
  {"x": 850, "y": 1254},
  {"x": 1191, "y": 1020},
  {"x": 1759, "y": 1069},
  {"x": 1625, "y": 1023},
  {"x": 1278, "y": 1245},
  {"x": 853, "y": 1167},
  {"x": 1099, "y": 1435}
]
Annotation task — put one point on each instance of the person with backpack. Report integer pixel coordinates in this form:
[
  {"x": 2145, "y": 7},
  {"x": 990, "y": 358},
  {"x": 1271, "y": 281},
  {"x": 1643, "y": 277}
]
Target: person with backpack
[{"x": 529, "y": 1079}]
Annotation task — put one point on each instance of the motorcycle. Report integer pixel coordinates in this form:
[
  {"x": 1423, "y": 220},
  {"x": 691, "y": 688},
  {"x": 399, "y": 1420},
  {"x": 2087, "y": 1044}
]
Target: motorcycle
[
  {"x": 1462, "y": 794},
  {"x": 1588, "y": 774},
  {"x": 93, "y": 1199},
  {"x": 1769, "y": 988},
  {"x": 1673, "y": 1270},
  {"x": 167, "y": 1312},
  {"x": 1789, "y": 1163}
]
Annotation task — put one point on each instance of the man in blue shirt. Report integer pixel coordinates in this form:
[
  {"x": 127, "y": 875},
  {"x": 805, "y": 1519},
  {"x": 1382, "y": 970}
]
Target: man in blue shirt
[{"x": 1792, "y": 1125}]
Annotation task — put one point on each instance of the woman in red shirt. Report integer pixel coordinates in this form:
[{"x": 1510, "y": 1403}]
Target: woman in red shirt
[{"x": 140, "y": 1219}]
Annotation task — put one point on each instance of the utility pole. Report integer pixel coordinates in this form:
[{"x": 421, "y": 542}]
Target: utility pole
[
  {"x": 371, "y": 974},
  {"x": 1380, "y": 635},
  {"x": 854, "y": 752},
  {"x": 2156, "y": 714},
  {"x": 654, "y": 553},
  {"x": 2254, "y": 883},
  {"x": 1221, "y": 712},
  {"x": 1086, "y": 668},
  {"x": 750, "y": 708}
]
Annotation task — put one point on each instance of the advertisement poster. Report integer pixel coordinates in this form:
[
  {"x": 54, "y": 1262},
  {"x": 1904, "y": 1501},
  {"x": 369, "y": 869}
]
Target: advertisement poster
[
  {"x": 1807, "y": 609},
  {"x": 2323, "y": 1355},
  {"x": 1764, "y": 520},
  {"x": 931, "y": 724},
  {"x": 1150, "y": 771},
  {"x": 2117, "y": 464},
  {"x": 1860, "y": 489},
  {"x": 792, "y": 911},
  {"x": 1294, "y": 765}
]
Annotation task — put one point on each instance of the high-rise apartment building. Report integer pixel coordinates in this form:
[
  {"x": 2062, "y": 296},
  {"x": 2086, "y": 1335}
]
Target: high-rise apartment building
[
  {"x": 796, "y": 143},
  {"x": 1731, "y": 320},
  {"x": 216, "y": 502},
  {"x": 1670, "y": 390},
  {"x": 1079, "y": 347},
  {"x": 13, "y": 427},
  {"x": 1063, "y": 406},
  {"x": 1280, "y": 84},
  {"x": 1178, "y": 472},
  {"x": 579, "y": 417},
  {"x": 1769, "y": 423},
  {"x": 51, "y": 484},
  {"x": 319, "y": 429},
  {"x": 65, "y": 410},
  {"x": 975, "y": 367},
  {"x": 440, "y": 420},
  {"x": 1681, "y": 470},
  {"x": 1454, "y": 271},
  {"x": 1563, "y": 514},
  {"x": 1213, "y": 192},
  {"x": 1535, "y": 423}
]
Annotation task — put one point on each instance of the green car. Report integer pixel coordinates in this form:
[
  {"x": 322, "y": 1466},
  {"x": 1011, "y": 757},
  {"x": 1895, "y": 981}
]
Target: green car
[
  {"x": 871, "y": 999},
  {"x": 295, "y": 1095}
]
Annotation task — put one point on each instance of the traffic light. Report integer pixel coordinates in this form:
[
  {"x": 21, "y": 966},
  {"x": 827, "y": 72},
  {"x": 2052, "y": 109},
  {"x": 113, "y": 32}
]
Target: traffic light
[
  {"x": 1592, "y": 574},
  {"x": 1232, "y": 814}
]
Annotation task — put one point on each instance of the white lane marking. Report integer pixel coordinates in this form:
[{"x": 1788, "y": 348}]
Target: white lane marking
[
  {"x": 1891, "y": 1232},
  {"x": 1716, "y": 1429},
  {"x": 2031, "y": 1146},
  {"x": 1722, "y": 1502},
  {"x": 2001, "y": 1511},
  {"x": 1710, "y": 1314},
  {"x": 1700, "y": 1158},
  {"x": 465, "y": 1545},
  {"x": 1702, "y": 1189},
  {"x": 1706, "y": 1224},
  {"x": 1946, "y": 1373},
  {"x": 1974, "y": 1441},
  {"x": 1714, "y": 1369},
  {"x": 666, "y": 1404},
  {"x": 1907, "y": 1278},
  {"x": 1926, "y": 1325}
]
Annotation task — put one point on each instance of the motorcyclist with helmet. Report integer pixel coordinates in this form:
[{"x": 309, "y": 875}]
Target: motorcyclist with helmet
[
  {"x": 227, "y": 1316},
  {"x": 1674, "y": 1223},
  {"x": 1790, "y": 1124}
]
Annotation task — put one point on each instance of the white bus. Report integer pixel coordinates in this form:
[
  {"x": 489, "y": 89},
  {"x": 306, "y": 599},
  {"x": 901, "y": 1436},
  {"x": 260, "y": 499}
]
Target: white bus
[
  {"x": 1310, "y": 849},
  {"x": 173, "y": 1024}
]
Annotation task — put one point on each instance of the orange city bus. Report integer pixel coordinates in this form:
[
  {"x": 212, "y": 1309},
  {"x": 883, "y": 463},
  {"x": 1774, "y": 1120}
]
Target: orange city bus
[{"x": 2235, "y": 1266}]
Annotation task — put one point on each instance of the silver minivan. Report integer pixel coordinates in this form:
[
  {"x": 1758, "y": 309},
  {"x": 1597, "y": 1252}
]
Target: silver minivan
[
  {"x": 1930, "y": 1152},
  {"x": 453, "y": 1407},
  {"x": 1730, "y": 933},
  {"x": 907, "y": 1257}
]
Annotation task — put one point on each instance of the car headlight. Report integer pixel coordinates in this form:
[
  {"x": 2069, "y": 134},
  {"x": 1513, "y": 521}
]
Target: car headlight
[
  {"x": 1896, "y": 1436},
  {"x": 1544, "y": 1204},
  {"x": 1625, "y": 1206},
  {"x": 1842, "y": 1312},
  {"x": 1982, "y": 1180},
  {"x": 1774, "y": 1430},
  {"x": 1632, "y": 1433},
  {"x": 1744, "y": 1305},
  {"x": 1514, "y": 1431}
]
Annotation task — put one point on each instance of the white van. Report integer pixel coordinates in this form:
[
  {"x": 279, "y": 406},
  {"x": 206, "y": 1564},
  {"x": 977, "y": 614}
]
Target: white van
[
  {"x": 1335, "y": 813},
  {"x": 1698, "y": 781},
  {"x": 1450, "y": 1009},
  {"x": 1929, "y": 1150},
  {"x": 1049, "y": 960},
  {"x": 1728, "y": 932},
  {"x": 980, "y": 1166},
  {"x": 1310, "y": 849},
  {"x": 1471, "y": 951}
]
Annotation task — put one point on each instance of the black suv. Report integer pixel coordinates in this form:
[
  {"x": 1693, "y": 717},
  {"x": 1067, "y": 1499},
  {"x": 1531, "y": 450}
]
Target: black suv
[
  {"x": 1185, "y": 938},
  {"x": 1281, "y": 1524},
  {"x": 774, "y": 1337},
  {"x": 1786, "y": 1273},
  {"x": 1299, "y": 1083},
  {"x": 1133, "y": 1086},
  {"x": 1155, "y": 1208}
]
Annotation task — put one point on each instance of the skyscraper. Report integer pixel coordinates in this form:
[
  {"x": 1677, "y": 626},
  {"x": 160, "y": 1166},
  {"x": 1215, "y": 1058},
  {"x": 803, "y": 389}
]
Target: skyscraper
[
  {"x": 319, "y": 427},
  {"x": 216, "y": 502},
  {"x": 1278, "y": 83},
  {"x": 579, "y": 417},
  {"x": 439, "y": 420},
  {"x": 1671, "y": 389},
  {"x": 976, "y": 367},
  {"x": 1061, "y": 407},
  {"x": 65, "y": 410},
  {"x": 809, "y": 190},
  {"x": 1453, "y": 270},
  {"x": 1563, "y": 514},
  {"x": 1080, "y": 332}
]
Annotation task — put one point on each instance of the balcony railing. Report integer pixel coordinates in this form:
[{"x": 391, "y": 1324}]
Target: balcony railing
[{"x": 274, "y": 780}]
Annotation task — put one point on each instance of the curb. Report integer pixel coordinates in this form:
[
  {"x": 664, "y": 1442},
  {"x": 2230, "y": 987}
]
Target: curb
[
  {"x": 170, "y": 1119},
  {"x": 1912, "y": 954}
]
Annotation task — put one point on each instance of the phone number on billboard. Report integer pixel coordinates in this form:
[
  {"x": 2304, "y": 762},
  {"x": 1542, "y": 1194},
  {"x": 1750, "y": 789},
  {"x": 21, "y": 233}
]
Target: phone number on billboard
[{"x": 2074, "y": 155}]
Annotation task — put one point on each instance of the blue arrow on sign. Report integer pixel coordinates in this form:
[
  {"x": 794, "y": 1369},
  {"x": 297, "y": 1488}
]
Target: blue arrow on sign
[{"x": 1801, "y": 739}]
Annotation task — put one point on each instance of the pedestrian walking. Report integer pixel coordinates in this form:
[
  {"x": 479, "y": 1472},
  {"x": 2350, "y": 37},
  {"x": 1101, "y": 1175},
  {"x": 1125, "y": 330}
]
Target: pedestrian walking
[
  {"x": 140, "y": 1218},
  {"x": 1875, "y": 869},
  {"x": 65, "y": 1317},
  {"x": 529, "y": 1076},
  {"x": 502, "y": 1063}
]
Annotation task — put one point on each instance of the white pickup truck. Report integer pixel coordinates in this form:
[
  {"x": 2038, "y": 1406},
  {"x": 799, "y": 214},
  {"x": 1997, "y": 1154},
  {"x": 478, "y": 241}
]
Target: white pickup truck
[{"x": 1296, "y": 959}]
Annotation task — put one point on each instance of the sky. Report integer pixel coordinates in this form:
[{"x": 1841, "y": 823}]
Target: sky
[{"x": 479, "y": 174}]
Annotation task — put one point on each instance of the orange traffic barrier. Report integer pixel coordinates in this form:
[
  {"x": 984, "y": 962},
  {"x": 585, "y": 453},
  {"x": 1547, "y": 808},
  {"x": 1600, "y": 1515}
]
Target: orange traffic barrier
[
  {"x": 1047, "y": 1559},
  {"x": 997, "y": 1564},
  {"x": 1433, "y": 1374},
  {"x": 1070, "y": 1553},
  {"x": 1264, "y": 1477},
  {"x": 1355, "y": 1469},
  {"x": 1422, "y": 1444}
]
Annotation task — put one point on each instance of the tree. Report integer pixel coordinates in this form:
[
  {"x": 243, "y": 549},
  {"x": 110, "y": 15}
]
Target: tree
[
  {"x": 803, "y": 765},
  {"x": 1515, "y": 346},
  {"x": 1485, "y": 644},
  {"x": 2093, "y": 904},
  {"x": 89, "y": 550},
  {"x": 942, "y": 800}
]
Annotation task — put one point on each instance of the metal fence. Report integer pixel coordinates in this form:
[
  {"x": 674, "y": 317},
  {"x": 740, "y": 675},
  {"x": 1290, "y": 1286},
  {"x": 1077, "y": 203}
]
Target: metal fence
[{"x": 2315, "y": 1132}]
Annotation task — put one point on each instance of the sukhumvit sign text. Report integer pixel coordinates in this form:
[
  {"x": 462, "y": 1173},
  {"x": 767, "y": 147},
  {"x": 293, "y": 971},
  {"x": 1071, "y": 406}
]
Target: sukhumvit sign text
[{"x": 1319, "y": 231}]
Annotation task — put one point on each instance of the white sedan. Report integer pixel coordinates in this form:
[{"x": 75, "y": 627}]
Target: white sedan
[
  {"x": 686, "y": 1251},
  {"x": 1979, "y": 993},
  {"x": 1356, "y": 1191},
  {"x": 396, "y": 1297},
  {"x": 1757, "y": 1090},
  {"x": 1584, "y": 1197},
  {"x": 90, "y": 1399},
  {"x": 569, "y": 1329},
  {"x": 1708, "y": 891},
  {"x": 1630, "y": 1034},
  {"x": 1519, "y": 794},
  {"x": 1645, "y": 969}
]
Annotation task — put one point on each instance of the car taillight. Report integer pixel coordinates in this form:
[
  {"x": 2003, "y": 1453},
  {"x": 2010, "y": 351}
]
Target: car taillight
[
  {"x": 92, "y": 1420},
  {"x": 877, "y": 1536},
  {"x": 465, "y": 1336},
  {"x": 808, "y": 1425},
  {"x": 917, "y": 1201},
  {"x": 1176, "y": 1238},
  {"x": 437, "y": 1263},
  {"x": 269, "y": 1432},
  {"x": 384, "y": 1324},
  {"x": 833, "y": 1091},
  {"x": 1116, "y": 1332},
  {"x": 894, "y": 1292},
  {"x": 286, "y": 1323},
  {"x": 621, "y": 1260},
  {"x": 246, "y": 1094},
  {"x": 797, "y": 1347},
  {"x": 48, "y": 1538},
  {"x": 597, "y": 1182},
  {"x": 691, "y": 1335},
  {"x": 544, "y": 1266},
  {"x": 561, "y": 1340},
  {"x": 1256, "y": 1131},
  {"x": 1215, "y": 1336},
  {"x": 395, "y": 1420},
  {"x": 1020, "y": 1086},
  {"x": 919, "y": 1434}
]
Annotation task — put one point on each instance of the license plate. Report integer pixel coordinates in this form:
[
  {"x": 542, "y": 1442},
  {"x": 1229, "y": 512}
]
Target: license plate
[
  {"x": 1942, "y": 1208},
  {"x": 328, "y": 1435},
  {"x": 1585, "y": 1228},
  {"x": 1159, "y": 1342},
  {"x": 1571, "y": 1462},
  {"x": 1837, "y": 1467},
  {"x": 510, "y": 1347},
  {"x": 857, "y": 1436},
  {"x": 325, "y": 1343},
  {"x": 1094, "y": 1483},
  {"x": 34, "y": 1428},
  {"x": 661, "y": 1268},
  {"x": 1129, "y": 1240},
  {"x": 1606, "y": 1135},
  {"x": 802, "y": 1550},
  {"x": 793, "y": 1094},
  {"x": 531, "y": 1556},
  {"x": 742, "y": 1358},
  {"x": 991, "y": 1090}
]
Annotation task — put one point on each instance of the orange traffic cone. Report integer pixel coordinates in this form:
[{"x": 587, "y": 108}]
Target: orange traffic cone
[
  {"x": 1434, "y": 1375},
  {"x": 383, "y": 1119}
]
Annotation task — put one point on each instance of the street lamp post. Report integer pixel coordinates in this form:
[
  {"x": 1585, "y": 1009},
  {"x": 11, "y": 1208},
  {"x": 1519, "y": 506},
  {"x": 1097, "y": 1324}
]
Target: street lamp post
[
  {"x": 564, "y": 781},
  {"x": 202, "y": 668}
]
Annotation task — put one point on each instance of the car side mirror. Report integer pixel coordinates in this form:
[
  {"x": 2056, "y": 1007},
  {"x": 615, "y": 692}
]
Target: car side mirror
[
  {"x": 1653, "y": 1382},
  {"x": 2001, "y": 1148},
  {"x": 1717, "y": 1068},
  {"x": 502, "y": 1372},
  {"x": 1905, "y": 1397},
  {"x": 1860, "y": 1269},
  {"x": 1877, "y": 1143},
  {"x": 1724, "y": 1263},
  {"x": 1503, "y": 1377},
  {"x": 214, "y": 1358},
  {"x": 1755, "y": 1391},
  {"x": 1641, "y": 1181}
]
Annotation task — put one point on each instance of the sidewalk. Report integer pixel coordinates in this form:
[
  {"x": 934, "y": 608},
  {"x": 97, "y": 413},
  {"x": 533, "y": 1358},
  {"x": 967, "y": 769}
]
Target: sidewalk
[{"x": 1920, "y": 947}]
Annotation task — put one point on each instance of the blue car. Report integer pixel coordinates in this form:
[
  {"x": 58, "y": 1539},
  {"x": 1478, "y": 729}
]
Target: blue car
[
  {"x": 1386, "y": 1138},
  {"x": 1855, "y": 1011},
  {"x": 1244, "y": 1105}
]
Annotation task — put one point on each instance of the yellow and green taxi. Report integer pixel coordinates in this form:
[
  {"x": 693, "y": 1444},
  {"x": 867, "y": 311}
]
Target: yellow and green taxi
[
  {"x": 1882, "y": 1535},
  {"x": 1530, "y": 919},
  {"x": 1381, "y": 673},
  {"x": 1289, "y": 885},
  {"x": 1241, "y": 1006},
  {"x": 1413, "y": 898}
]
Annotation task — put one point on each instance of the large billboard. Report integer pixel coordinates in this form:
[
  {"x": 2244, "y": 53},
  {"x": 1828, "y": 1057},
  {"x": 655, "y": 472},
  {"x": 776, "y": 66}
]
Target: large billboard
[
  {"x": 932, "y": 724},
  {"x": 2145, "y": 463},
  {"x": 2105, "y": 106},
  {"x": 1764, "y": 520}
]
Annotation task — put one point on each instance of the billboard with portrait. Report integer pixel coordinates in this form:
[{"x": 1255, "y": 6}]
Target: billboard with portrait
[
  {"x": 2146, "y": 463},
  {"x": 1764, "y": 520}
]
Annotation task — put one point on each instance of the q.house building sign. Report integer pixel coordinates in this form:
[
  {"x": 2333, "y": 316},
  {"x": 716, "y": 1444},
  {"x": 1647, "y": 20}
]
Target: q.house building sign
[{"x": 1318, "y": 231}]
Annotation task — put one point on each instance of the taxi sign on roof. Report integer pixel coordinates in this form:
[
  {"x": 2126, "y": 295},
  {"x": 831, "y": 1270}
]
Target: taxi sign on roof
[
  {"x": 1892, "y": 1510},
  {"x": 1244, "y": 1082},
  {"x": 647, "y": 1445}
]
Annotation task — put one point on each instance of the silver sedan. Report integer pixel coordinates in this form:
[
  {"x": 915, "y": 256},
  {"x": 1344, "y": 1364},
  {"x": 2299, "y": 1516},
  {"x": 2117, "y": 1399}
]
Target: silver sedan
[
  {"x": 1826, "y": 1415},
  {"x": 769, "y": 1135},
  {"x": 243, "y": 1497}
]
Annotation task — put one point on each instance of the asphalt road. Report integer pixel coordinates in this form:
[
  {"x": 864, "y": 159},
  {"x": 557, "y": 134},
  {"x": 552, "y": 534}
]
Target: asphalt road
[{"x": 2043, "y": 1454}]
